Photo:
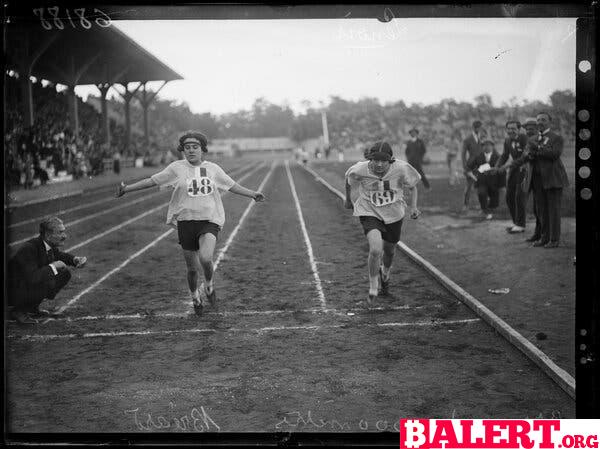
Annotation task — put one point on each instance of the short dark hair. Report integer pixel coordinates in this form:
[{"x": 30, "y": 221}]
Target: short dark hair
[
  {"x": 477, "y": 124},
  {"x": 48, "y": 224},
  {"x": 518, "y": 123},
  {"x": 193, "y": 135},
  {"x": 381, "y": 146},
  {"x": 544, "y": 113}
]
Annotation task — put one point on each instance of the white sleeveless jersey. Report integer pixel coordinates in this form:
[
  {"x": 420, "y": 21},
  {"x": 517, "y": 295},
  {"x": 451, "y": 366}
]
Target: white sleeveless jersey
[
  {"x": 382, "y": 197},
  {"x": 196, "y": 195}
]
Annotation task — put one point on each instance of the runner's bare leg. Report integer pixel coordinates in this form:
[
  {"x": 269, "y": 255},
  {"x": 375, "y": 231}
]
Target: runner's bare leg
[
  {"x": 375, "y": 253},
  {"x": 207, "y": 249}
]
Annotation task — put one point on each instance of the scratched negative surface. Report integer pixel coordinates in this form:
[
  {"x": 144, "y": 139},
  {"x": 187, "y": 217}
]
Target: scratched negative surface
[{"x": 290, "y": 346}]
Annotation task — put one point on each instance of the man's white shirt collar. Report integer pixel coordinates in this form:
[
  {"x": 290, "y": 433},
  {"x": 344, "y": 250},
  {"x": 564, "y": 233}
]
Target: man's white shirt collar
[
  {"x": 48, "y": 247},
  {"x": 546, "y": 131}
]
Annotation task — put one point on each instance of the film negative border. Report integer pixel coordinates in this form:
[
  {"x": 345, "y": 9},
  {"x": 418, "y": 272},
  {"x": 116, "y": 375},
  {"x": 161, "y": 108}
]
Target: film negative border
[{"x": 587, "y": 201}]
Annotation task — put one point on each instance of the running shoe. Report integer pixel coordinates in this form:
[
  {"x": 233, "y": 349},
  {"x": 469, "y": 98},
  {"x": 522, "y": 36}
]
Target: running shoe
[
  {"x": 212, "y": 296},
  {"x": 371, "y": 299},
  {"x": 383, "y": 285},
  {"x": 198, "y": 307}
]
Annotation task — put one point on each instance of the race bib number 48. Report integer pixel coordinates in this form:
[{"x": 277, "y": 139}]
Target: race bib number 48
[
  {"x": 383, "y": 198},
  {"x": 200, "y": 187}
]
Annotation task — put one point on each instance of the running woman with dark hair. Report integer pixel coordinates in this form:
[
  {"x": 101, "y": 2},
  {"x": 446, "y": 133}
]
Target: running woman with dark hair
[
  {"x": 196, "y": 209},
  {"x": 380, "y": 207}
]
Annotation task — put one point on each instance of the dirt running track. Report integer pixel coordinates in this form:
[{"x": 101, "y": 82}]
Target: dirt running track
[{"x": 291, "y": 346}]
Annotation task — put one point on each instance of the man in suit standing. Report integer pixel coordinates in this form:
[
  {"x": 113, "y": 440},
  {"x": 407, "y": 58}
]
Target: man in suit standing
[
  {"x": 38, "y": 271},
  {"x": 516, "y": 198},
  {"x": 415, "y": 152},
  {"x": 486, "y": 178},
  {"x": 470, "y": 150},
  {"x": 531, "y": 130},
  {"x": 548, "y": 179}
]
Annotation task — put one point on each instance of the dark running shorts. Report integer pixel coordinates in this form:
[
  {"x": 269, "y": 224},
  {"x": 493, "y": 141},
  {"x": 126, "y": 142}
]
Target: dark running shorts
[
  {"x": 389, "y": 232},
  {"x": 189, "y": 231}
]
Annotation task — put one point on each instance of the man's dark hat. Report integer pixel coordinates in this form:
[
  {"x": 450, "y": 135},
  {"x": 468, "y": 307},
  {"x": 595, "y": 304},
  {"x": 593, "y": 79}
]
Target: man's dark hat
[
  {"x": 413, "y": 130},
  {"x": 380, "y": 151}
]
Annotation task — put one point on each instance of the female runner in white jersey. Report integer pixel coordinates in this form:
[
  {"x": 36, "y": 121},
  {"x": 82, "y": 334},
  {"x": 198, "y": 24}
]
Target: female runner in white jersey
[
  {"x": 196, "y": 209},
  {"x": 380, "y": 207}
]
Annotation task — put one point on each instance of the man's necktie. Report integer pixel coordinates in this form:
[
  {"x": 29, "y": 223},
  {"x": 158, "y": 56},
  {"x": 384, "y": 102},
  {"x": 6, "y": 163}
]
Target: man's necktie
[{"x": 50, "y": 254}]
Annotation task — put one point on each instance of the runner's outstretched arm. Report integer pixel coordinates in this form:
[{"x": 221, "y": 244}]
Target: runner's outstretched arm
[
  {"x": 256, "y": 196},
  {"x": 146, "y": 183},
  {"x": 414, "y": 212},
  {"x": 348, "y": 202}
]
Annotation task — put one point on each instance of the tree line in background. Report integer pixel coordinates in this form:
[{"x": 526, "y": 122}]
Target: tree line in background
[{"x": 353, "y": 123}]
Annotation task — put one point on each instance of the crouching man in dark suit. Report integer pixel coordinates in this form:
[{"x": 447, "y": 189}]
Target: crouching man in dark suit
[
  {"x": 488, "y": 181},
  {"x": 38, "y": 271}
]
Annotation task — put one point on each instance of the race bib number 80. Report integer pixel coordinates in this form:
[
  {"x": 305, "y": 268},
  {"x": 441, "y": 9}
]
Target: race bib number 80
[
  {"x": 200, "y": 186},
  {"x": 383, "y": 198}
]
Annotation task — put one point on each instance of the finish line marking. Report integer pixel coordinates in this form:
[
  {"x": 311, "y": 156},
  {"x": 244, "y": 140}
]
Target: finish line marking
[
  {"x": 150, "y": 315},
  {"x": 37, "y": 337}
]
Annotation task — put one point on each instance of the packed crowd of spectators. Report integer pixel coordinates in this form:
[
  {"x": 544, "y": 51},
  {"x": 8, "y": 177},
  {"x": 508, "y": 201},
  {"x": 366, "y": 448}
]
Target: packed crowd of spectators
[{"x": 49, "y": 149}]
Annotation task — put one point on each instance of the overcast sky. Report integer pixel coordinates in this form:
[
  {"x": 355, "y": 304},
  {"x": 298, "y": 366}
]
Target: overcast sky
[{"x": 228, "y": 64}]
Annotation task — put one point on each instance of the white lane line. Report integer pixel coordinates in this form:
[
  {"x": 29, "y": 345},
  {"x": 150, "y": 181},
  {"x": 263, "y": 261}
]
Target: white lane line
[
  {"x": 117, "y": 227},
  {"x": 562, "y": 378},
  {"x": 309, "y": 249},
  {"x": 48, "y": 337},
  {"x": 87, "y": 217},
  {"x": 129, "y": 259},
  {"x": 75, "y": 298},
  {"x": 150, "y": 315},
  {"x": 61, "y": 212},
  {"x": 94, "y": 215},
  {"x": 243, "y": 217}
]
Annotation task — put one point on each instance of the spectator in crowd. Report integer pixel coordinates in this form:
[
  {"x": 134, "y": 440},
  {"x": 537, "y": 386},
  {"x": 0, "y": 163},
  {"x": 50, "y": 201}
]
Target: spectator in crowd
[
  {"x": 486, "y": 180},
  {"x": 531, "y": 130},
  {"x": 452, "y": 148},
  {"x": 548, "y": 178},
  {"x": 38, "y": 271},
  {"x": 516, "y": 198},
  {"x": 117, "y": 161},
  {"x": 415, "y": 152},
  {"x": 304, "y": 155},
  {"x": 470, "y": 150}
]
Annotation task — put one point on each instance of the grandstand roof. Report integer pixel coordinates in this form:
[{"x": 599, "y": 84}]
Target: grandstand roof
[{"x": 111, "y": 55}]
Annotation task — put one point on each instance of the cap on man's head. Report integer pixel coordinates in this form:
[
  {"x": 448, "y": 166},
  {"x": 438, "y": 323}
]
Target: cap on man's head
[
  {"x": 530, "y": 121},
  {"x": 380, "y": 151},
  {"x": 413, "y": 130},
  {"x": 488, "y": 142},
  {"x": 477, "y": 124}
]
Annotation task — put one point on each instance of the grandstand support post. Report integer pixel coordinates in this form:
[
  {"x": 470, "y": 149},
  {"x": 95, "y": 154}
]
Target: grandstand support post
[
  {"x": 26, "y": 65},
  {"x": 74, "y": 111},
  {"x": 104, "y": 88},
  {"x": 25, "y": 83},
  {"x": 73, "y": 75},
  {"x": 146, "y": 100},
  {"x": 127, "y": 96}
]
